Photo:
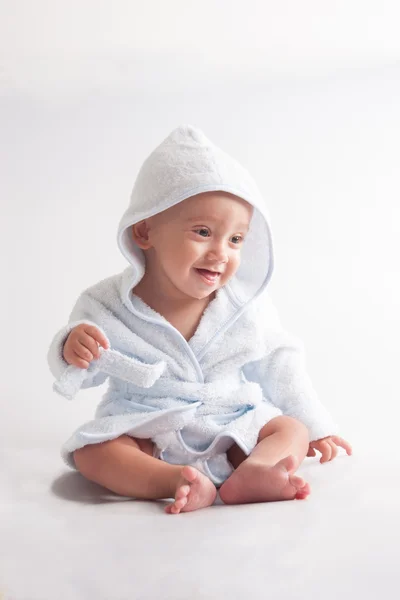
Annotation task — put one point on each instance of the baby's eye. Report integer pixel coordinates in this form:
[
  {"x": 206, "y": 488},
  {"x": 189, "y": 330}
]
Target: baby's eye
[
  {"x": 203, "y": 232},
  {"x": 237, "y": 239}
]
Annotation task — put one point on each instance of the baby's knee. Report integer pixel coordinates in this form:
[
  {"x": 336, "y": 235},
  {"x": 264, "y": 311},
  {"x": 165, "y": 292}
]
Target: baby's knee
[
  {"x": 297, "y": 426},
  {"x": 87, "y": 459},
  {"x": 93, "y": 458},
  {"x": 286, "y": 422}
]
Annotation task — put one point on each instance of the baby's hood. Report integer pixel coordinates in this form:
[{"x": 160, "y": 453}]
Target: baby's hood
[{"x": 187, "y": 163}]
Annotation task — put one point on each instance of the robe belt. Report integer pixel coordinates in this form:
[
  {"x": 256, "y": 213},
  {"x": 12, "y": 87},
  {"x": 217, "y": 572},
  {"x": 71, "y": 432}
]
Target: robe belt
[{"x": 130, "y": 370}]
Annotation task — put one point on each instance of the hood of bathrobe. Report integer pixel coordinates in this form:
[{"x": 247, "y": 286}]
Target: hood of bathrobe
[{"x": 187, "y": 163}]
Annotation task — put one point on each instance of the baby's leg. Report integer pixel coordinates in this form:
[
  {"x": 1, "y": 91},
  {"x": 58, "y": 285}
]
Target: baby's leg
[
  {"x": 127, "y": 467},
  {"x": 268, "y": 473}
]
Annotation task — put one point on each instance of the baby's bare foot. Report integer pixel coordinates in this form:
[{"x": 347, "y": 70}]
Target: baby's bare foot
[
  {"x": 194, "y": 490},
  {"x": 255, "y": 482}
]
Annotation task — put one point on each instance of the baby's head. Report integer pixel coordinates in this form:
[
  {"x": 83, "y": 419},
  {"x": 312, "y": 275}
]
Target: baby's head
[
  {"x": 194, "y": 247},
  {"x": 186, "y": 229}
]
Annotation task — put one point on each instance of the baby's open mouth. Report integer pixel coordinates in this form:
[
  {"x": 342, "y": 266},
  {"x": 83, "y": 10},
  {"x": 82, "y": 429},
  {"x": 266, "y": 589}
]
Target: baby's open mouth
[{"x": 209, "y": 276}]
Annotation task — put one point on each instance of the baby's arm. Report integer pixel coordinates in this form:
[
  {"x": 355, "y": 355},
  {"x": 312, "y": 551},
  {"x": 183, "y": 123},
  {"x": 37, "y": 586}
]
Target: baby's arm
[
  {"x": 283, "y": 376},
  {"x": 290, "y": 388},
  {"x": 66, "y": 341},
  {"x": 285, "y": 382},
  {"x": 83, "y": 345}
]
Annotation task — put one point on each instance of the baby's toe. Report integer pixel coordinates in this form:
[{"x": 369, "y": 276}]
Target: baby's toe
[
  {"x": 176, "y": 507},
  {"x": 297, "y": 482},
  {"x": 179, "y": 504},
  {"x": 303, "y": 492},
  {"x": 182, "y": 491},
  {"x": 190, "y": 474},
  {"x": 171, "y": 509}
]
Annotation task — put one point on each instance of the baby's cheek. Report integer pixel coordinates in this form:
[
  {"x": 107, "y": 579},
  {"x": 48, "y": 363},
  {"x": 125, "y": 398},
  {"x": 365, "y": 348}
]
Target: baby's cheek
[
  {"x": 235, "y": 263},
  {"x": 179, "y": 249},
  {"x": 189, "y": 251}
]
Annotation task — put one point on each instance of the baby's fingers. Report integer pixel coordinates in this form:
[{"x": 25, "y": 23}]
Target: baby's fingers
[
  {"x": 326, "y": 451},
  {"x": 343, "y": 444},
  {"x": 77, "y": 361},
  {"x": 85, "y": 350},
  {"x": 72, "y": 358},
  {"x": 86, "y": 347},
  {"x": 96, "y": 334},
  {"x": 334, "y": 450}
]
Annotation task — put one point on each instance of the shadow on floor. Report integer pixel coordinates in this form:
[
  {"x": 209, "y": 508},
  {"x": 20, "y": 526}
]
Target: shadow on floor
[{"x": 75, "y": 488}]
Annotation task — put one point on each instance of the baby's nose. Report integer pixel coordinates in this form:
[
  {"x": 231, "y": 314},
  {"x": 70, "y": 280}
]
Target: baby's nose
[{"x": 218, "y": 253}]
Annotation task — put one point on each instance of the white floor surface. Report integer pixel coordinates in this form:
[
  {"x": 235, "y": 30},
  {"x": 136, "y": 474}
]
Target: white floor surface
[{"x": 63, "y": 538}]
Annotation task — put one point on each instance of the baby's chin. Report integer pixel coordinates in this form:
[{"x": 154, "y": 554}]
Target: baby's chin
[
  {"x": 197, "y": 295},
  {"x": 203, "y": 294}
]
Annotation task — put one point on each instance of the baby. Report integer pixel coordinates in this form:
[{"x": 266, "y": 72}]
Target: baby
[{"x": 206, "y": 390}]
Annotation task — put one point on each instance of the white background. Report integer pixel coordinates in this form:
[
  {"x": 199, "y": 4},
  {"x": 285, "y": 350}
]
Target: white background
[
  {"x": 307, "y": 98},
  {"x": 305, "y": 94}
]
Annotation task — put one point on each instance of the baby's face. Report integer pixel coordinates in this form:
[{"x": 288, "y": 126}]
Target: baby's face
[{"x": 196, "y": 245}]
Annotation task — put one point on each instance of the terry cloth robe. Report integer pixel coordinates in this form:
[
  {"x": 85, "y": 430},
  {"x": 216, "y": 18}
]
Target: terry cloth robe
[{"x": 194, "y": 398}]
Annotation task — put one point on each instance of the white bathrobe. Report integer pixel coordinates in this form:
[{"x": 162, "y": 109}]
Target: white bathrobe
[{"x": 194, "y": 398}]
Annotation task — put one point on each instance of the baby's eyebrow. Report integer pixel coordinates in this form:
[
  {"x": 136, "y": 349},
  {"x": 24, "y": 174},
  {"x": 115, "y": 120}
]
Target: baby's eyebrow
[{"x": 203, "y": 218}]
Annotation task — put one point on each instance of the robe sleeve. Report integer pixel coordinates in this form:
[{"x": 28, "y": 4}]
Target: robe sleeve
[
  {"x": 285, "y": 382},
  {"x": 85, "y": 311}
]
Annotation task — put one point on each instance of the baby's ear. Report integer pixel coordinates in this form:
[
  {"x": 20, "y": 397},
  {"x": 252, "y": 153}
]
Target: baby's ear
[{"x": 140, "y": 234}]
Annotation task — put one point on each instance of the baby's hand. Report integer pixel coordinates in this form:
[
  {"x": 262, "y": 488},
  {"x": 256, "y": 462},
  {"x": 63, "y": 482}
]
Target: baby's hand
[
  {"x": 328, "y": 447},
  {"x": 82, "y": 345}
]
